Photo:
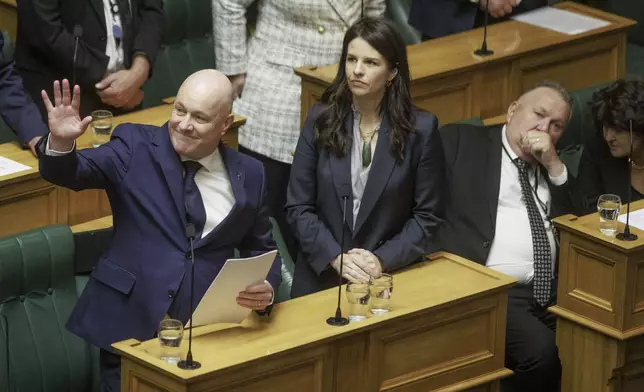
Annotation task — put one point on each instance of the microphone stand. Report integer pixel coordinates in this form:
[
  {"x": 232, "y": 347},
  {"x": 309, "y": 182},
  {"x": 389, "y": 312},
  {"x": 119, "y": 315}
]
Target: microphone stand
[
  {"x": 78, "y": 32},
  {"x": 189, "y": 364},
  {"x": 483, "y": 50},
  {"x": 627, "y": 235},
  {"x": 338, "y": 320}
]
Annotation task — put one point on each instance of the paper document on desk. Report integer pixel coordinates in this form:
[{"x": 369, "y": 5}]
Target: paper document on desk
[
  {"x": 562, "y": 21},
  {"x": 7, "y": 166},
  {"x": 219, "y": 304},
  {"x": 636, "y": 219}
]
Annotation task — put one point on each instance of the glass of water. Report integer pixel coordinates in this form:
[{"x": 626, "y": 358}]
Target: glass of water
[
  {"x": 358, "y": 296},
  {"x": 608, "y": 207},
  {"x": 101, "y": 127},
  {"x": 170, "y": 336},
  {"x": 380, "y": 290}
]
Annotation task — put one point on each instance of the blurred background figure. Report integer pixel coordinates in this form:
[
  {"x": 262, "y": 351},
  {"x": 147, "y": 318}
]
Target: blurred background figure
[{"x": 118, "y": 41}]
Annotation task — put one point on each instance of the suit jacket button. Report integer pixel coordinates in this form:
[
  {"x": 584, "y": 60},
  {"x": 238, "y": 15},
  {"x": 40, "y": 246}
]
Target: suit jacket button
[
  {"x": 171, "y": 293},
  {"x": 486, "y": 244},
  {"x": 102, "y": 38},
  {"x": 321, "y": 29},
  {"x": 187, "y": 255}
]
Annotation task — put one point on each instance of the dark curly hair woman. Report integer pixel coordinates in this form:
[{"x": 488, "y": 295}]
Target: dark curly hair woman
[{"x": 604, "y": 166}]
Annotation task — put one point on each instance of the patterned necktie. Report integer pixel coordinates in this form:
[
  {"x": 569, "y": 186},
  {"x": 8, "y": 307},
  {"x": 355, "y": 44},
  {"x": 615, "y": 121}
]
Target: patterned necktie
[
  {"x": 540, "y": 243},
  {"x": 195, "y": 210}
]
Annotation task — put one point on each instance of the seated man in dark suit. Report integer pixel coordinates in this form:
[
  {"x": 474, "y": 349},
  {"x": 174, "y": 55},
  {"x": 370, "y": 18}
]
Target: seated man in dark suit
[
  {"x": 436, "y": 18},
  {"x": 118, "y": 41},
  {"x": 16, "y": 107},
  {"x": 500, "y": 218},
  {"x": 159, "y": 180}
]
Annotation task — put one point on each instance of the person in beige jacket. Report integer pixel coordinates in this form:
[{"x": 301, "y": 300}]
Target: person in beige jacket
[{"x": 288, "y": 34}]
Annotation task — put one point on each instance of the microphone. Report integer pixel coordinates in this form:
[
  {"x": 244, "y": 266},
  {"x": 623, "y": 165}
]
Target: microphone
[
  {"x": 78, "y": 33},
  {"x": 338, "y": 320},
  {"x": 189, "y": 364},
  {"x": 483, "y": 50},
  {"x": 627, "y": 235}
]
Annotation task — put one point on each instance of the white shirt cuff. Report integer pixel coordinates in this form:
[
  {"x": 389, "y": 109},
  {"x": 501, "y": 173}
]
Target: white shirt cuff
[
  {"x": 273, "y": 289},
  {"x": 54, "y": 153},
  {"x": 561, "y": 178}
]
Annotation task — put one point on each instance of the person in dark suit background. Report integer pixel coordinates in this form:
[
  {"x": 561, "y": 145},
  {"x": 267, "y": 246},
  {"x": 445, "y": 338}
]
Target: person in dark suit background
[
  {"x": 16, "y": 107},
  {"x": 366, "y": 142},
  {"x": 158, "y": 180},
  {"x": 437, "y": 18},
  {"x": 604, "y": 162},
  {"x": 504, "y": 184},
  {"x": 117, "y": 47}
]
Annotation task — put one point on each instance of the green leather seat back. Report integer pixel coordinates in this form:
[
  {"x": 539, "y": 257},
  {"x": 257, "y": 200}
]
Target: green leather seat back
[
  {"x": 570, "y": 145},
  {"x": 6, "y": 135},
  {"x": 398, "y": 12},
  {"x": 187, "y": 47},
  {"x": 633, "y": 9},
  {"x": 288, "y": 267},
  {"x": 37, "y": 294}
]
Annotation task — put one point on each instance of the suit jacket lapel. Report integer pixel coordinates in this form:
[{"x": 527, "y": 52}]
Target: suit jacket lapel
[
  {"x": 237, "y": 176},
  {"x": 494, "y": 155},
  {"x": 341, "y": 170},
  {"x": 172, "y": 169},
  {"x": 381, "y": 168},
  {"x": 342, "y": 7},
  {"x": 97, "y": 5}
]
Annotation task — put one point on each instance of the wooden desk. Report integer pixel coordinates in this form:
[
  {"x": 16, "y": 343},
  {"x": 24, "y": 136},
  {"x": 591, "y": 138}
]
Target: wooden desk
[
  {"x": 27, "y": 201},
  {"x": 9, "y": 17},
  {"x": 453, "y": 83},
  {"x": 446, "y": 332},
  {"x": 600, "y": 307}
]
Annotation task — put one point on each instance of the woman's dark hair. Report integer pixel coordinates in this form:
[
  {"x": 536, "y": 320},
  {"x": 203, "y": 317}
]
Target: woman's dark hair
[
  {"x": 614, "y": 105},
  {"x": 396, "y": 104}
]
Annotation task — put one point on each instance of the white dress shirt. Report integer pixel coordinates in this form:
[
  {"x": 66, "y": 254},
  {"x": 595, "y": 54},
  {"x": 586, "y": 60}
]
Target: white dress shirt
[
  {"x": 511, "y": 251},
  {"x": 112, "y": 50},
  {"x": 215, "y": 188}
]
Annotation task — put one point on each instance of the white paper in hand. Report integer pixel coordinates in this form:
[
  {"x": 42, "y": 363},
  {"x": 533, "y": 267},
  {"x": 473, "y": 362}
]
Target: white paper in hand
[{"x": 219, "y": 304}]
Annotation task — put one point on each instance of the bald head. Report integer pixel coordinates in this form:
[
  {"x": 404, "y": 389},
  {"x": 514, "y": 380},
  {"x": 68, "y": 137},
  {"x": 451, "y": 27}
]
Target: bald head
[
  {"x": 202, "y": 114},
  {"x": 211, "y": 87}
]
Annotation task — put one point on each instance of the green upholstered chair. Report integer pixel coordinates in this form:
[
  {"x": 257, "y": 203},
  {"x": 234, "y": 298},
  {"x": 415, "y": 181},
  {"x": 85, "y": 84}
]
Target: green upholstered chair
[
  {"x": 187, "y": 47},
  {"x": 398, "y": 12},
  {"x": 38, "y": 291},
  {"x": 6, "y": 135},
  {"x": 284, "y": 291},
  {"x": 580, "y": 126},
  {"x": 633, "y": 9}
]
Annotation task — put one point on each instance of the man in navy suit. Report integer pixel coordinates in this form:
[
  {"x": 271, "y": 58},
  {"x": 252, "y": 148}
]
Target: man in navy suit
[
  {"x": 158, "y": 180},
  {"x": 436, "y": 18},
  {"x": 16, "y": 107}
]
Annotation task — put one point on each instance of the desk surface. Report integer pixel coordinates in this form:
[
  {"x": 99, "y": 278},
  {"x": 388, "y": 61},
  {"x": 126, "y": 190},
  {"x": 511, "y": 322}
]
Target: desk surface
[
  {"x": 454, "y": 53},
  {"x": 299, "y": 322},
  {"x": 157, "y": 115},
  {"x": 588, "y": 226}
]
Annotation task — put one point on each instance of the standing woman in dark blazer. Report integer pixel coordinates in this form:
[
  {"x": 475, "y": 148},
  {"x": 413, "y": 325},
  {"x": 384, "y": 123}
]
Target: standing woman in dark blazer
[
  {"x": 366, "y": 141},
  {"x": 604, "y": 162}
]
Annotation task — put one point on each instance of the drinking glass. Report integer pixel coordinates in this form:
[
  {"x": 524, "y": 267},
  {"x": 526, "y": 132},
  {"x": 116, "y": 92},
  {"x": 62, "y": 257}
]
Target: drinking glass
[
  {"x": 380, "y": 289},
  {"x": 170, "y": 336},
  {"x": 101, "y": 127},
  {"x": 358, "y": 297},
  {"x": 608, "y": 207}
]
